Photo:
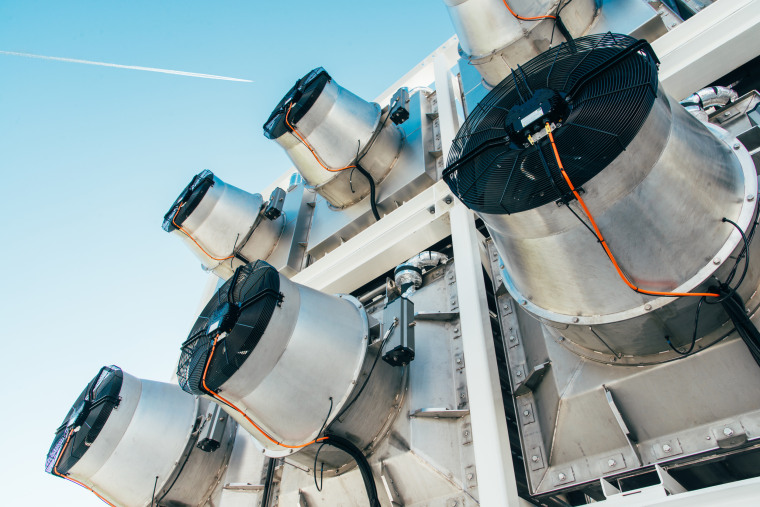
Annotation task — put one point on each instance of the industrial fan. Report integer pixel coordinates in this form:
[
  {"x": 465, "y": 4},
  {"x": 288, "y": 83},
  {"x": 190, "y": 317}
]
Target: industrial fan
[
  {"x": 84, "y": 421},
  {"x": 188, "y": 200},
  {"x": 296, "y": 103},
  {"x": 238, "y": 315},
  {"x": 596, "y": 92}
]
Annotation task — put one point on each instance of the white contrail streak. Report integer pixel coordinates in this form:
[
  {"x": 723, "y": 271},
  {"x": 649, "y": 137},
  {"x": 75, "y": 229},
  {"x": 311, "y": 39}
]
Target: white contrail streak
[{"x": 133, "y": 67}]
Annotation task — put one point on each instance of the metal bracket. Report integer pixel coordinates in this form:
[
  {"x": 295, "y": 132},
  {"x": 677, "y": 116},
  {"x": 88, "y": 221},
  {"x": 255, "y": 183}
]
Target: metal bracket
[
  {"x": 532, "y": 379},
  {"x": 629, "y": 436},
  {"x": 440, "y": 413},
  {"x": 390, "y": 486},
  {"x": 437, "y": 316}
]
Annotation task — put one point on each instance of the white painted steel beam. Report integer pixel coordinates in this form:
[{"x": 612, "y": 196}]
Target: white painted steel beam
[
  {"x": 712, "y": 43},
  {"x": 493, "y": 459}
]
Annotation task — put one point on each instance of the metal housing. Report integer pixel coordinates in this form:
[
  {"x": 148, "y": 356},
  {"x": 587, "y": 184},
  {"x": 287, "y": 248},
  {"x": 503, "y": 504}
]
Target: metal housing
[
  {"x": 148, "y": 442},
  {"x": 228, "y": 220},
  {"x": 311, "y": 361},
  {"x": 341, "y": 128},
  {"x": 659, "y": 205},
  {"x": 494, "y": 41}
]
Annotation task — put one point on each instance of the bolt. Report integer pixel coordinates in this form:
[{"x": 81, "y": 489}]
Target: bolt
[
  {"x": 519, "y": 373},
  {"x": 750, "y": 198},
  {"x": 456, "y": 329},
  {"x": 728, "y": 432},
  {"x": 523, "y": 303},
  {"x": 466, "y": 433},
  {"x": 727, "y": 113},
  {"x": 534, "y": 459},
  {"x": 461, "y": 395},
  {"x": 469, "y": 477},
  {"x": 447, "y": 199},
  {"x": 611, "y": 463},
  {"x": 647, "y": 307},
  {"x": 431, "y": 209},
  {"x": 512, "y": 338},
  {"x": 498, "y": 279},
  {"x": 526, "y": 413},
  {"x": 562, "y": 477},
  {"x": 506, "y": 307},
  {"x": 575, "y": 319},
  {"x": 716, "y": 261},
  {"x": 667, "y": 448},
  {"x": 737, "y": 146},
  {"x": 708, "y": 437},
  {"x": 459, "y": 361}
]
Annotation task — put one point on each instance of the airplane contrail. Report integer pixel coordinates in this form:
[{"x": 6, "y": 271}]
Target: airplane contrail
[{"x": 133, "y": 67}]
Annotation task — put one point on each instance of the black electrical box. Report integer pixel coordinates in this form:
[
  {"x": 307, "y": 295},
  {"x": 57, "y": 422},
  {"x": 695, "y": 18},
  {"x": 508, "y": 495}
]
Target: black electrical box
[
  {"x": 273, "y": 208},
  {"x": 398, "y": 317},
  {"x": 400, "y": 106}
]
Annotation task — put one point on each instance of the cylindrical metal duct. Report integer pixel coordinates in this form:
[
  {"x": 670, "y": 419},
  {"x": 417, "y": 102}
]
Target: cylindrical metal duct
[
  {"x": 658, "y": 189},
  {"x": 222, "y": 225},
  {"x": 341, "y": 130},
  {"x": 125, "y": 437},
  {"x": 291, "y": 359},
  {"x": 495, "y": 41}
]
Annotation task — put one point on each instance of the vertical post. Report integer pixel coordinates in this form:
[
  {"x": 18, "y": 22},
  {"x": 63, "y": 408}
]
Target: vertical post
[{"x": 493, "y": 454}]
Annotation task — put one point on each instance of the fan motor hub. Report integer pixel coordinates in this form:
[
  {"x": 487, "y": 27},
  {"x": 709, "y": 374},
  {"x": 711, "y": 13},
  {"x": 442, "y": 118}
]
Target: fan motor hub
[
  {"x": 526, "y": 119},
  {"x": 223, "y": 319}
]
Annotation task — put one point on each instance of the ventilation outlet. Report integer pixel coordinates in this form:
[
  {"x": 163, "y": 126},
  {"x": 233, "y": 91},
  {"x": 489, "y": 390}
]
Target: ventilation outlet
[
  {"x": 225, "y": 227},
  {"x": 326, "y": 131},
  {"x": 656, "y": 181},
  {"x": 284, "y": 360},
  {"x": 494, "y": 41},
  {"x": 124, "y": 436}
]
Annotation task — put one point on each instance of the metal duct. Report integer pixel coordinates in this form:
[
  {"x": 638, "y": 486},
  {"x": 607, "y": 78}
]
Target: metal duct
[
  {"x": 290, "y": 360},
  {"x": 495, "y": 41},
  {"x": 342, "y": 130},
  {"x": 659, "y": 199},
  {"x": 224, "y": 226},
  {"x": 145, "y": 442}
]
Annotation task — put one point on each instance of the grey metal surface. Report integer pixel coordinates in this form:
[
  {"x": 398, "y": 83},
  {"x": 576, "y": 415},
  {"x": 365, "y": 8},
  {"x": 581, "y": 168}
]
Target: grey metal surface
[
  {"x": 414, "y": 171},
  {"x": 340, "y": 127},
  {"x": 224, "y": 222},
  {"x": 494, "y": 41},
  {"x": 662, "y": 199},
  {"x": 429, "y": 460},
  {"x": 587, "y": 420},
  {"x": 151, "y": 434}
]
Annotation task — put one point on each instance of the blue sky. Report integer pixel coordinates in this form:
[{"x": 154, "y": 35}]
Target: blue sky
[{"x": 92, "y": 157}]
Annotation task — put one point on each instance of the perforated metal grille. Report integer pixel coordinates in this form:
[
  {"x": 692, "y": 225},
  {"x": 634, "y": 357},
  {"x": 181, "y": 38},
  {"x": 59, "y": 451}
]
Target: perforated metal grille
[
  {"x": 85, "y": 420},
  {"x": 254, "y": 290},
  {"x": 304, "y": 93},
  {"x": 188, "y": 200},
  {"x": 609, "y": 82}
]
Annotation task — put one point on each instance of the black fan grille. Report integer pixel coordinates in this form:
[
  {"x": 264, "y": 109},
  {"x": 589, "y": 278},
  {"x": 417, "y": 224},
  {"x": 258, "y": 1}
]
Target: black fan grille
[
  {"x": 304, "y": 93},
  {"x": 189, "y": 199},
  {"x": 254, "y": 289},
  {"x": 89, "y": 414},
  {"x": 610, "y": 83}
]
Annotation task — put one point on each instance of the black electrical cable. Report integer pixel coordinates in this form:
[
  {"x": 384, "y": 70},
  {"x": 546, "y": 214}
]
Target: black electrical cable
[
  {"x": 319, "y": 434},
  {"x": 349, "y": 448},
  {"x": 371, "y": 182},
  {"x": 693, "y": 336}
]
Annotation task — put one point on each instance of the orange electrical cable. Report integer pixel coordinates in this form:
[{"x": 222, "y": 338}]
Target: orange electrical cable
[
  {"x": 604, "y": 242},
  {"x": 527, "y": 19},
  {"x": 56, "y": 472},
  {"x": 215, "y": 395},
  {"x": 193, "y": 239},
  {"x": 309, "y": 146}
]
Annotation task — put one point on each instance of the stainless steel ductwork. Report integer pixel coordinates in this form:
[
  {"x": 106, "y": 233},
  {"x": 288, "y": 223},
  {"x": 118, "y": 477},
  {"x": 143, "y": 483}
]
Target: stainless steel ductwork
[
  {"x": 291, "y": 363},
  {"x": 326, "y": 131},
  {"x": 224, "y": 226},
  {"x": 494, "y": 40},
  {"x": 137, "y": 442},
  {"x": 657, "y": 181}
]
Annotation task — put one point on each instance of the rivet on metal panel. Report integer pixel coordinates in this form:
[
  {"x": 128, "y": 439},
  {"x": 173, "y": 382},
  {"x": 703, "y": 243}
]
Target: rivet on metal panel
[
  {"x": 536, "y": 459},
  {"x": 466, "y": 434},
  {"x": 564, "y": 476},
  {"x": 469, "y": 473}
]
